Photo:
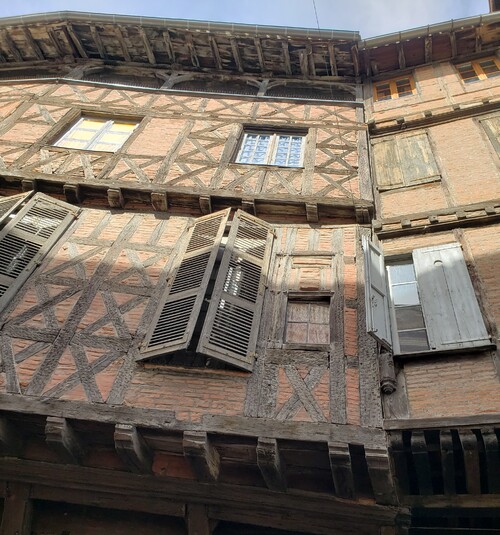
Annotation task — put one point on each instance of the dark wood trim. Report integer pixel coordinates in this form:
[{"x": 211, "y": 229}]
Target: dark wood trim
[
  {"x": 340, "y": 464},
  {"x": 132, "y": 449},
  {"x": 270, "y": 464},
  {"x": 17, "y": 510},
  {"x": 475, "y": 421},
  {"x": 202, "y": 455},
  {"x": 63, "y": 439}
]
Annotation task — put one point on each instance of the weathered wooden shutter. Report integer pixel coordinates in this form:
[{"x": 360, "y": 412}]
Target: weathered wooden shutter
[
  {"x": 386, "y": 164},
  {"x": 10, "y": 204},
  {"x": 173, "y": 325},
  {"x": 27, "y": 238},
  {"x": 231, "y": 327},
  {"x": 448, "y": 300},
  {"x": 378, "y": 322},
  {"x": 492, "y": 127}
]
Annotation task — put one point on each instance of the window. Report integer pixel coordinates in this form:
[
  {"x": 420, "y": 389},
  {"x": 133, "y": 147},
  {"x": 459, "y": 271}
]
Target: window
[
  {"x": 307, "y": 322},
  {"x": 424, "y": 303},
  {"x": 399, "y": 87},
  {"x": 404, "y": 160},
  {"x": 91, "y": 133},
  {"x": 228, "y": 329},
  {"x": 272, "y": 148},
  {"x": 31, "y": 227},
  {"x": 479, "y": 70}
]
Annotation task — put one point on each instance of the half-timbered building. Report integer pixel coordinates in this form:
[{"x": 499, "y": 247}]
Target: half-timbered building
[{"x": 248, "y": 278}]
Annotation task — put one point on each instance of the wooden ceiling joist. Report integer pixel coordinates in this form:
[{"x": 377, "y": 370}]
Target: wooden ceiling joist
[
  {"x": 33, "y": 44},
  {"x": 341, "y": 466},
  {"x": 428, "y": 49},
  {"x": 11, "y": 46},
  {"x": 123, "y": 44},
  {"x": 286, "y": 57},
  {"x": 73, "y": 38},
  {"x": 132, "y": 449},
  {"x": 304, "y": 63},
  {"x": 355, "y": 59},
  {"x": 236, "y": 54},
  {"x": 98, "y": 42},
  {"x": 333, "y": 60},
  {"x": 479, "y": 40},
  {"x": 55, "y": 42},
  {"x": 169, "y": 46},
  {"x": 310, "y": 60},
  {"x": 202, "y": 455},
  {"x": 147, "y": 45},
  {"x": 260, "y": 53},
  {"x": 192, "y": 50},
  {"x": 453, "y": 44},
  {"x": 215, "y": 51},
  {"x": 61, "y": 437},
  {"x": 401, "y": 56},
  {"x": 270, "y": 464}
]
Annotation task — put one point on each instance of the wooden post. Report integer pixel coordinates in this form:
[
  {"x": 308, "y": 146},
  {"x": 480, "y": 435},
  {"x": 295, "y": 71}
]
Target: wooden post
[
  {"x": 18, "y": 510},
  {"x": 197, "y": 520}
]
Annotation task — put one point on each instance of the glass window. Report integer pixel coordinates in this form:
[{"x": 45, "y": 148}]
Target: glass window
[
  {"x": 479, "y": 70},
  {"x": 261, "y": 148},
  {"x": 390, "y": 89},
  {"x": 308, "y": 322}
]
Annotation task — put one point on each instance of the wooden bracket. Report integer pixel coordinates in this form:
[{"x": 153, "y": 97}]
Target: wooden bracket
[
  {"x": 312, "y": 212},
  {"x": 269, "y": 462},
  {"x": 202, "y": 455},
  {"x": 471, "y": 460},
  {"x": 28, "y": 185},
  {"x": 447, "y": 461},
  {"x": 132, "y": 449},
  {"x": 340, "y": 464},
  {"x": 73, "y": 194},
  {"x": 422, "y": 462},
  {"x": 387, "y": 373},
  {"x": 380, "y": 476},
  {"x": 159, "y": 201},
  {"x": 205, "y": 204},
  {"x": 491, "y": 448},
  {"x": 362, "y": 215},
  {"x": 400, "y": 462},
  {"x": 248, "y": 206},
  {"x": 10, "y": 440},
  {"x": 62, "y": 438},
  {"x": 115, "y": 198}
]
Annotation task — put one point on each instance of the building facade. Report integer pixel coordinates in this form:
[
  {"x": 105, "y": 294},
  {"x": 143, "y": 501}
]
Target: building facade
[{"x": 248, "y": 278}]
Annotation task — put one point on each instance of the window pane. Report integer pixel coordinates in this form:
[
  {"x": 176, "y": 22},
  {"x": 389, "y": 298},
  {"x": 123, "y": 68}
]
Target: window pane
[
  {"x": 318, "y": 334},
  {"x": 383, "y": 91},
  {"x": 319, "y": 313},
  {"x": 296, "y": 333},
  {"x": 122, "y": 127},
  {"x": 399, "y": 273},
  {"x": 405, "y": 294},
  {"x": 409, "y": 318},
  {"x": 410, "y": 341},
  {"x": 403, "y": 87},
  {"x": 92, "y": 124},
  {"x": 298, "y": 312},
  {"x": 489, "y": 68},
  {"x": 467, "y": 72}
]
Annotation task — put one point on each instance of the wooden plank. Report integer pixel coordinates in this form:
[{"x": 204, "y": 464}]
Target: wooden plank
[
  {"x": 192, "y": 49},
  {"x": 332, "y": 60},
  {"x": 304, "y": 63},
  {"x": 286, "y": 57},
  {"x": 437, "y": 423},
  {"x": 340, "y": 464},
  {"x": 121, "y": 39},
  {"x": 147, "y": 45},
  {"x": 159, "y": 201},
  {"x": 132, "y": 449},
  {"x": 17, "y": 510},
  {"x": 471, "y": 460},
  {"x": 260, "y": 53},
  {"x": 62, "y": 438},
  {"x": 398, "y": 456},
  {"x": 492, "y": 451},
  {"x": 98, "y": 41},
  {"x": 32, "y": 43},
  {"x": 453, "y": 43},
  {"x": 401, "y": 56},
  {"x": 75, "y": 40},
  {"x": 422, "y": 462},
  {"x": 310, "y": 60},
  {"x": 448, "y": 461},
  {"x": 215, "y": 52},
  {"x": 270, "y": 464},
  {"x": 236, "y": 54},
  {"x": 377, "y": 460},
  {"x": 197, "y": 520},
  {"x": 202, "y": 455},
  {"x": 11, "y": 46},
  {"x": 10, "y": 440}
]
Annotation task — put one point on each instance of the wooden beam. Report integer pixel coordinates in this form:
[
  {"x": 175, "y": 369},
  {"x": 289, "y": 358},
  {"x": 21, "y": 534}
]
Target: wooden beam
[
  {"x": 10, "y": 440},
  {"x": 60, "y": 436},
  {"x": 32, "y": 43},
  {"x": 147, "y": 45},
  {"x": 123, "y": 44},
  {"x": 55, "y": 42},
  {"x": 98, "y": 42},
  {"x": 17, "y": 510},
  {"x": 76, "y": 40},
  {"x": 169, "y": 46},
  {"x": 471, "y": 460},
  {"x": 399, "y": 458},
  {"x": 304, "y": 63},
  {"x": 340, "y": 464},
  {"x": 428, "y": 49},
  {"x": 192, "y": 49},
  {"x": 159, "y": 201},
  {"x": 334, "y": 71},
  {"x": 236, "y": 54},
  {"x": 73, "y": 194},
  {"x": 28, "y": 185},
  {"x": 11, "y": 46},
  {"x": 377, "y": 460},
  {"x": 197, "y": 521},
  {"x": 205, "y": 204},
  {"x": 422, "y": 462},
  {"x": 312, "y": 212},
  {"x": 132, "y": 449},
  {"x": 492, "y": 452},
  {"x": 355, "y": 59},
  {"x": 202, "y": 455},
  {"x": 310, "y": 59},
  {"x": 260, "y": 53},
  {"x": 286, "y": 57},
  {"x": 401, "y": 56},
  {"x": 479, "y": 39},
  {"x": 248, "y": 205},
  {"x": 215, "y": 52},
  {"x": 270, "y": 464},
  {"x": 374, "y": 67},
  {"x": 115, "y": 198},
  {"x": 448, "y": 461},
  {"x": 453, "y": 43}
]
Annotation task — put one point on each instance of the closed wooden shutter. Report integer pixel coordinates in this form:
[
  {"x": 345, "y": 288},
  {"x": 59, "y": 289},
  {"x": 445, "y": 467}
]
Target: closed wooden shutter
[
  {"x": 378, "y": 322},
  {"x": 492, "y": 127},
  {"x": 173, "y": 325},
  {"x": 231, "y": 327},
  {"x": 404, "y": 161},
  {"x": 8, "y": 205},
  {"x": 451, "y": 311},
  {"x": 27, "y": 238}
]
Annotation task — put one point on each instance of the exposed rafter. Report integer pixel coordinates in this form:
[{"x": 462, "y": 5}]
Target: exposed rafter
[
  {"x": 286, "y": 57},
  {"x": 123, "y": 44},
  {"x": 192, "y": 50},
  {"x": 236, "y": 54},
  {"x": 333, "y": 60},
  {"x": 355, "y": 59},
  {"x": 55, "y": 41},
  {"x": 453, "y": 43},
  {"x": 401, "y": 56},
  {"x": 260, "y": 53},
  {"x": 215, "y": 52},
  {"x": 11, "y": 46},
  {"x": 147, "y": 45},
  {"x": 428, "y": 48},
  {"x": 169, "y": 45},
  {"x": 32, "y": 43},
  {"x": 73, "y": 38},
  {"x": 98, "y": 42}
]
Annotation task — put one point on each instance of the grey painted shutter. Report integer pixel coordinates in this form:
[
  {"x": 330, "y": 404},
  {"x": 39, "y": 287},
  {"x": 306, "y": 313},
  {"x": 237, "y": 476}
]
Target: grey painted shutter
[
  {"x": 448, "y": 300},
  {"x": 492, "y": 127},
  {"x": 10, "y": 204},
  {"x": 173, "y": 325},
  {"x": 231, "y": 327},
  {"x": 27, "y": 238},
  {"x": 378, "y": 322},
  {"x": 416, "y": 159}
]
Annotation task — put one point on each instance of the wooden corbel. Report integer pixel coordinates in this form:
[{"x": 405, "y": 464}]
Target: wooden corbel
[{"x": 387, "y": 373}]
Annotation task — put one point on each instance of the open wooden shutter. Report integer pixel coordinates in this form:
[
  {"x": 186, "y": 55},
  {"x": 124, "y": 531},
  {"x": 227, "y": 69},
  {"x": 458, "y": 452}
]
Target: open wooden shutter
[
  {"x": 10, "y": 204},
  {"x": 378, "y": 322},
  {"x": 448, "y": 300},
  {"x": 173, "y": 325},
  {"x": 231, "y": 327},
  {"x": 27, "y": 238}
]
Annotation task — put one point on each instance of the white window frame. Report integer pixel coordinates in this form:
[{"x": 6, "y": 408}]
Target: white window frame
[{"x": 272, "y": 148}]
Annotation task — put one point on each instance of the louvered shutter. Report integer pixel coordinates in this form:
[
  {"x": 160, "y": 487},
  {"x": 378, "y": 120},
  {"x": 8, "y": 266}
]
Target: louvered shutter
[
  {"x": 378, "y": 322},
  {"x": 27, "y": 238},
  {"x": 451, "y": 311},
  {"x": 231, "y": 327},
  {"x": 173, "y": 325},
  {"x": 10, "y": 204}
]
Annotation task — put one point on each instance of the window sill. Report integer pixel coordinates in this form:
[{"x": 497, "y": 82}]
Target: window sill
[
  {"x": 307, "y": 347},
  {"x": 70, "y": 149},
  {"x": 267, "y": 166},
  {"x": 430, "y": 180},
  {"x": 445, "y": 352}
]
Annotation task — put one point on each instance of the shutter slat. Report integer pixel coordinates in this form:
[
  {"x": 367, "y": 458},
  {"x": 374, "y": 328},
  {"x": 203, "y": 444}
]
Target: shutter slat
[
  {"x": 173, "y": 325},
  {"x": 27, "y": 238},
  {"x": 231, "y": 327},
  {"x": 450, "y": 307},
  {"x": 378, "y": 322}
]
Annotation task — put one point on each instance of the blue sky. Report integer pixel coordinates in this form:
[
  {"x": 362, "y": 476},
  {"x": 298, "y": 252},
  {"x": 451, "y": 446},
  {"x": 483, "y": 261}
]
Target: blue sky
[{"x": 369, "y": 17}]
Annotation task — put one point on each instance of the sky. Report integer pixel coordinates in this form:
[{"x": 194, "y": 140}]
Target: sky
[{"x": 369, "y": 17}]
